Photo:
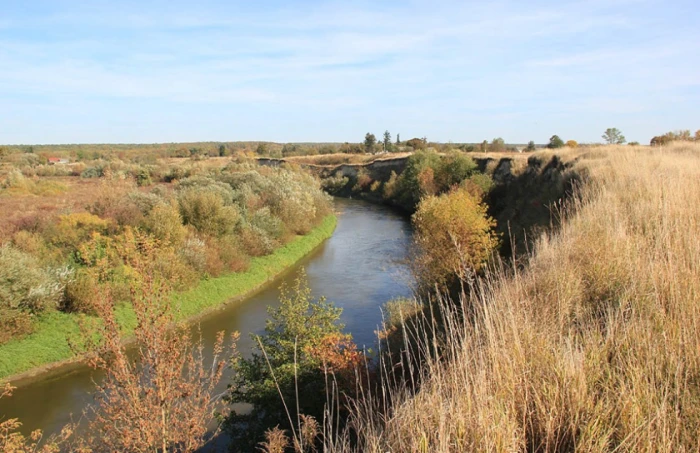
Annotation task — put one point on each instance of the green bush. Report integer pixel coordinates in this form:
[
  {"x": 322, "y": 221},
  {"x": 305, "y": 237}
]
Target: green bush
[
  {"x": 25, "y": 285},
  {"x": 283, "y": 362},
  {"x": 207, "y": 211},
  {"x": 165, "y": 224}
]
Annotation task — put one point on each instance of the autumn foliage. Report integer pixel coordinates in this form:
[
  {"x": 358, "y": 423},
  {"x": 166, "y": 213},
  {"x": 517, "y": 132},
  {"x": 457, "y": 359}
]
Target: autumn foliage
[
  {"x": 454, "y": 237},
  {"x": 164, "y": 399}
]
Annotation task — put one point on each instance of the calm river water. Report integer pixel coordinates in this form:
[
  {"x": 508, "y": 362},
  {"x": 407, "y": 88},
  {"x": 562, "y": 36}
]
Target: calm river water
[{"x": 359, "y": 268}]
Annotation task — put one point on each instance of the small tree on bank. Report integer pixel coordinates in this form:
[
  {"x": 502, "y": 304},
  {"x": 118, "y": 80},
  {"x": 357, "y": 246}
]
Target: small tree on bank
[
  {"x": 454, "y": 237},
  {"x": 285, "y": 380}
]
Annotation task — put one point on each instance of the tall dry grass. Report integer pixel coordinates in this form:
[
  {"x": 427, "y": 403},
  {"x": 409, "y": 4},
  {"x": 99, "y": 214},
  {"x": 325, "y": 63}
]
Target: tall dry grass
[{"x": 593, "y": 345}]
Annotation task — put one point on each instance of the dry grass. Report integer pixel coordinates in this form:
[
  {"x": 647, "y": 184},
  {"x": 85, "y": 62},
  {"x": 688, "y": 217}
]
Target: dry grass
[{"x": 593, "y": 346}]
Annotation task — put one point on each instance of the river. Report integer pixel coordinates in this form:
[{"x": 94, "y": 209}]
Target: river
[{"x": 359, "y": 268}]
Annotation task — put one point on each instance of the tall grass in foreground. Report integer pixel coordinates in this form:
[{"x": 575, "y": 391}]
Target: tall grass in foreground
[{"x": 594, "y": 345}]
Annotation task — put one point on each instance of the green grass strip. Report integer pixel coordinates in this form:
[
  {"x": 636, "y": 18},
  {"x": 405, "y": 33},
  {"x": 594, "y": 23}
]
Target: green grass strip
[{"x": 49, "y": 342}]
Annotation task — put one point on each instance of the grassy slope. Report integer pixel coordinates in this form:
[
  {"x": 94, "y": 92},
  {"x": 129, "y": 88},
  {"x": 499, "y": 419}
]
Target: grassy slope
[
  {"x": 593, "y": 346},
  {"x": 50, "y": 342}
]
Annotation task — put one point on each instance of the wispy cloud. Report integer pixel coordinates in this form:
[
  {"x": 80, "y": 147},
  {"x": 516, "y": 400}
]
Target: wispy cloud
[{"x": 365, "y": 65}]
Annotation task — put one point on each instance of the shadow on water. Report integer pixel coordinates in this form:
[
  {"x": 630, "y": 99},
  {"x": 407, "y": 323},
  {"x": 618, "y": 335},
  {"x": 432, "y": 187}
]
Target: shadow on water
[{"x": 359, "y": 268}]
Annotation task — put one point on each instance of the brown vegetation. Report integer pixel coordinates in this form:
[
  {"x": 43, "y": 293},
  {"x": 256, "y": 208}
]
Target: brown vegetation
[{"x": 591, "y": 346}]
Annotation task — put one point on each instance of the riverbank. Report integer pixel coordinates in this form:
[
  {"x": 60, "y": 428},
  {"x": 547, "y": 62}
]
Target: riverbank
[{"x": 56, "y": 342}]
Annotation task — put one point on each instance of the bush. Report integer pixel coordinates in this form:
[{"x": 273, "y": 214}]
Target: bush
[
  {"x": 390, "y": 186},
  {"x": 165, "y": 224},
  {"x": 206, "y": 210},
  {"x": 93, "y": 172},
  {"x": 143, "y": 177},
  {"x": 71, "y": 230},
  {"x": 303, "y": 338},
  {"x": 454, "y": 168},
  {"x": 81, "y": 293},
  {"x": 335, "y": 183},
  {"x": 267, "y": 222},
  {"x": 478, "y": 184},
  {"x": 453, "y": 236},
  {"x": 256, "y": 242},
  {"x": 14, "y": 324},
  {"x": 25, "y": 285},
  {"x": 409, "y": 187}
]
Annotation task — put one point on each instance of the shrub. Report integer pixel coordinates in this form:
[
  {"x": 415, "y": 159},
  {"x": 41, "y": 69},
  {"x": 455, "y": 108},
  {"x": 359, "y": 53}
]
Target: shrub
[
  {"x": 193, "y": 251},
  {"x": 256, "y": 242},
  {"x": 206, "y": 210},
  {"x": 364, "y": 180},
  {"x": 303, "y": 338},
  {"x": 145, "y": 201},
  {"x": 204, "y": 183},
  {"x": 572, "y": 144},
  {"x": 73, "y": 229},
  {"x": 14, "y": 324},
  {"x": 454, "y": 237},
  {"x": 81, "y": 293},
  {"x": 143, "y": 177},
  {"x": 267, "y": 222},
  {"x": 454, "y": 168},
  {"x": 335, "y": 183},
  {"x": 409, "y": 190},
  {"x": 390, "y": 186},
  {"x": 478, "y": 184},
  {"x": 25, "y": 285},
  {"x": 93, "y": 172},
  {"x": 165, "y": 223}
]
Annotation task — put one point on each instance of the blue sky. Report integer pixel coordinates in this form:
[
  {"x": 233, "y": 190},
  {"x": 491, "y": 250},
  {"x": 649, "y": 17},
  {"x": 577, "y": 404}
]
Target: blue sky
[{"x": 461, "y": 71}]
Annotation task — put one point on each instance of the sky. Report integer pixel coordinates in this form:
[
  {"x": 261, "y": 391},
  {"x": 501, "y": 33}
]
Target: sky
[{"x": 331, "y": 71}]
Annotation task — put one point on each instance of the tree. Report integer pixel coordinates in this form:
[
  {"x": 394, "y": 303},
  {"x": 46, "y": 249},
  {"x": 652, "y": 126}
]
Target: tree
[
  {"x": 370, "y": 142},
  {"x": 416, "y": 143},
  {"x": 497, "y": 145},
  {"x": 530, "y": 146},
  {"x": 285, "y": 378},
  {"x": 412, "y": 182},
  {"x": 572, "y": 143},
  {"x": 387, "y": 141},
  {"x": 262, "y": 149},
  {"x": 613, "y": 136},
  {"x": 555, "y": 142},
  {"x": 454, "y": 237},
  {"x": 484, "y": 146}
]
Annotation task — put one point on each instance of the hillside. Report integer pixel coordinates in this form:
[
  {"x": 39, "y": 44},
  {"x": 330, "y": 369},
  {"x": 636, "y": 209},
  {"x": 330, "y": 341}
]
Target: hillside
[{"x": 591, "y": 345}]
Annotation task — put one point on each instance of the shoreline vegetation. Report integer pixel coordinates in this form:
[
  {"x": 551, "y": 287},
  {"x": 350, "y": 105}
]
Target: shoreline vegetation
[{"x": 49, "y": 347}]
